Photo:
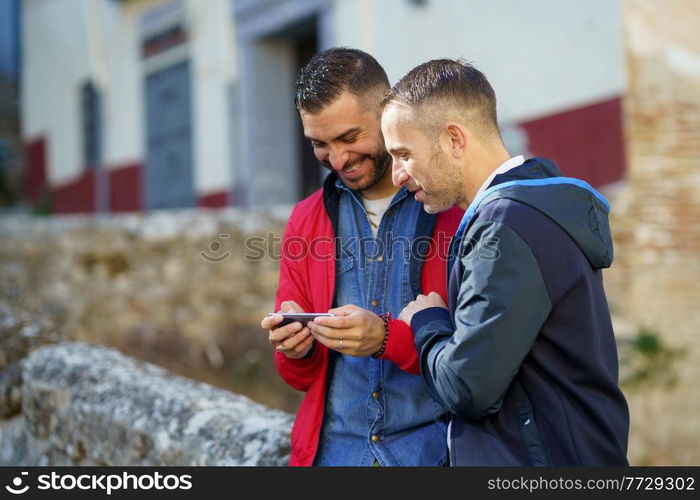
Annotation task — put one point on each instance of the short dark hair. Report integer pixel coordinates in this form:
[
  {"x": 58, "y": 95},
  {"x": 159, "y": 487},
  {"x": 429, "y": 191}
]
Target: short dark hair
[
  {"x": 337, "y": 70},
  {"x": 445, "y": 87}
]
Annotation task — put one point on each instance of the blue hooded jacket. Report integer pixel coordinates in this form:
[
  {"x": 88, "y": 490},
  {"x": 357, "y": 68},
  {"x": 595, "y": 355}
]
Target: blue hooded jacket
[{"x": 525, "y": 359}]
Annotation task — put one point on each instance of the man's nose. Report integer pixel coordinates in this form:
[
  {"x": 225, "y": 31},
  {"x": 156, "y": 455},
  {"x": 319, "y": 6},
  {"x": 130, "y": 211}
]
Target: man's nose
[
  {"x": 338, "y": 158},
  {"x": 398, "y": 175}
]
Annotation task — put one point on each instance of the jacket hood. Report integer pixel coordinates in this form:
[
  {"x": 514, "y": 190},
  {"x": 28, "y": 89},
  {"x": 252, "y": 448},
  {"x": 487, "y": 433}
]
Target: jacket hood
[{"x": 572, "y": 203}]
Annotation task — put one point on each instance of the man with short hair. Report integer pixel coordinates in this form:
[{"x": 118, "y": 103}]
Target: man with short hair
[
  {"x": 351, "y": 248},
  {"x": 525, "y": 356}
]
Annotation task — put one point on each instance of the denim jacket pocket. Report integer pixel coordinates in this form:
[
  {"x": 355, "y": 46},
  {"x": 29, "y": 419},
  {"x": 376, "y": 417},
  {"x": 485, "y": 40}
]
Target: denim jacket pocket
[
  {"x": 346, "y": 263},
  {"x": 346, "y": 288}
]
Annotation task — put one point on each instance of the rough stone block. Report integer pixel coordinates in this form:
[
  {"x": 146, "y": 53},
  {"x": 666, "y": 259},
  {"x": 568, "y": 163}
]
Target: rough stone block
[
  {"x": 10, "y": 391},
  {"x": 97, "y": 406}
]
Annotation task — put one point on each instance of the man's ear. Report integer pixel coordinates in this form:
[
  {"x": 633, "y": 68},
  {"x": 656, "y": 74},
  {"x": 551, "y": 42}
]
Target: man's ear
[{"x": 457, "y": 139}]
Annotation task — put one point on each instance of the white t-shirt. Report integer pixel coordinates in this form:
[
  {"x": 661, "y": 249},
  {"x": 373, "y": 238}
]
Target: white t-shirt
[
  {"x": 375, "y": 211},
  {"x": 516, "y": 161}
]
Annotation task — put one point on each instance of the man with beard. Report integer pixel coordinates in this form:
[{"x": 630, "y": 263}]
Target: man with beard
[
  {"x": 362, "y": 249},
  {"x": 525, "y": 356}
]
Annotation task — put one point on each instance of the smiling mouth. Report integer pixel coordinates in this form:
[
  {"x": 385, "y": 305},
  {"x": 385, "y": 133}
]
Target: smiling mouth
[
  {"x": 353, "y": 166},
  {"x": 415, "y": 187}
]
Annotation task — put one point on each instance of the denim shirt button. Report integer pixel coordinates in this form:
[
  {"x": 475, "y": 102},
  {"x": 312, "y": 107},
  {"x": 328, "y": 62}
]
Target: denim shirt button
[
  {"x": 375, "y": 395},
  {"x": 375, "y": 438},
  {"x": 380, "y": 259},
  {"x": 375, "y": 303}
]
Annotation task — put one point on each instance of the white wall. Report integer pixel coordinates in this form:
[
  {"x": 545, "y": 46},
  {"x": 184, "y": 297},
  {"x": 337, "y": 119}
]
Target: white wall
[
  {"x": 123, "y": 88},
  {"x": 541, "y": 56},
  {"x": 67, "y": 41},
  {"x": 213, "y": 63},
  {"x": 55, "y": 63}
]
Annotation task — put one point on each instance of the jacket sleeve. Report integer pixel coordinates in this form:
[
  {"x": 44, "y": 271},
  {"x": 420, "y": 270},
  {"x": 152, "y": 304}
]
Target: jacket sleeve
[
  {"x": 501, "y": 305},
  {"x": 400, "y": 348},
  {"x": 293, "y": 285}
]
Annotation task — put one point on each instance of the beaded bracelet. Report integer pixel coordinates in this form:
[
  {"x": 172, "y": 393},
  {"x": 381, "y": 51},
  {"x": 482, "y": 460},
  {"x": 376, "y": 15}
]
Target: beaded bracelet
[{"x": 386, "y": 317}]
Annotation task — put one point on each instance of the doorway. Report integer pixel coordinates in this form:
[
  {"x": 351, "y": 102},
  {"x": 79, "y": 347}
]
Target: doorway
[
  {"x": 276, "y": 164},
  {"x": 169, "y": 177}
]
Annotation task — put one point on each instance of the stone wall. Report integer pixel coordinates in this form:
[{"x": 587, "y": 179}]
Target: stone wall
[
  {"x": 176, "y": 288},
  {"x": 80, "y": 404},
  {"x": 655, "y": 280}
]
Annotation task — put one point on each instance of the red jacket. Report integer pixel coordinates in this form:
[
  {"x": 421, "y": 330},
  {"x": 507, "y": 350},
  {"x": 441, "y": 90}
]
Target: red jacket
[{"x": 307, "y": 276}]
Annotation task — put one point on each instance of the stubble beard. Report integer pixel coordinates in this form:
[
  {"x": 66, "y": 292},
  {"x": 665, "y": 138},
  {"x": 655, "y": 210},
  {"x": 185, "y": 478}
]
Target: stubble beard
[
  {"x": 447, "y": 184},
  {"x": 380, "y": 164}
]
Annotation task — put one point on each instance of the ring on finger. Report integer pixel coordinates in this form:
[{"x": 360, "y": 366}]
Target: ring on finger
[{"x": 341, "y": 344}]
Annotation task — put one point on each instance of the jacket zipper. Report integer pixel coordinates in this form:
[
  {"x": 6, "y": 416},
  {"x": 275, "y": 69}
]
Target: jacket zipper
[{"x": 450, "y": 452}]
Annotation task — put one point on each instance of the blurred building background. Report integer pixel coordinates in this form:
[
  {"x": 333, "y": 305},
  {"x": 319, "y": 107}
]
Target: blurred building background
[
  {"x": 141, "y": 104},
  {"x": 10, "y": 137},
  {"x": 113, "y": 110}
]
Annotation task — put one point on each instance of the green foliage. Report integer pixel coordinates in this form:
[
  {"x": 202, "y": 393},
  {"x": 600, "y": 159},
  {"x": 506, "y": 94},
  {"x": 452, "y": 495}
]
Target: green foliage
[
  {"x": 44, "y": 205},
  {"x": 645, "y": 360}
]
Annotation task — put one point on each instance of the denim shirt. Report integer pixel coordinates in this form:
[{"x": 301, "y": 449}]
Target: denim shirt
[{"x": 375, "y": 410}]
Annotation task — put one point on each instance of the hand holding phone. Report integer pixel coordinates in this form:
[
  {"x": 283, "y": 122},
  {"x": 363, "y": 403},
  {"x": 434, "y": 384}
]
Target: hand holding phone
[
  {"x": 293, "y": 342},
  {"x": 303, "y": 318}
]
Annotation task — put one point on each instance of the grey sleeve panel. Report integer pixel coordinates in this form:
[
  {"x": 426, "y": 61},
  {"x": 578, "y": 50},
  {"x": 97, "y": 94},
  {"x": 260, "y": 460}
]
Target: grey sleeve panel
[
  {"x": 432, "y": 328},
  {"x": 501, "y": 305}
]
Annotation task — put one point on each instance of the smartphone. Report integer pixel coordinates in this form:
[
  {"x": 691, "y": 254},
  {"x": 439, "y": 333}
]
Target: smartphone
[{"x": 303, "y": 318}]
